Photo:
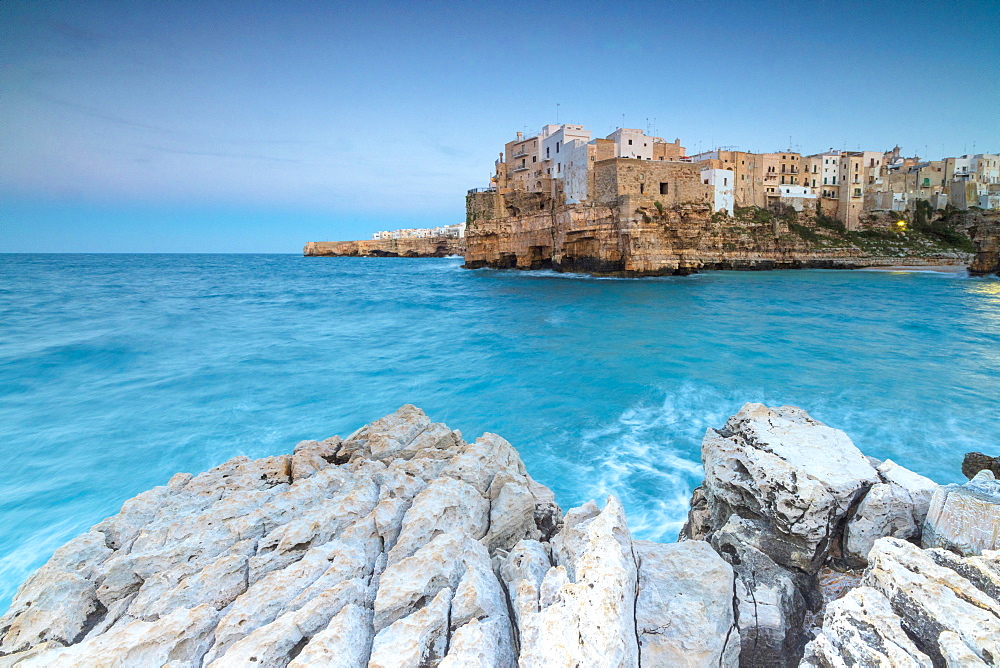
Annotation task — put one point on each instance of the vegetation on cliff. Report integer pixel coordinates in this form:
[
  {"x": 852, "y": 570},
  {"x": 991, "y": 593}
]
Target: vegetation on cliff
[{"x": 922, "y": 233}]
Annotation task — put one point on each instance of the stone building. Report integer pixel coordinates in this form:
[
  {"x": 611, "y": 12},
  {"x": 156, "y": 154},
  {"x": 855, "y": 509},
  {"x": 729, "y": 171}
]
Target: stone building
[{"x": 563, "y": 162}]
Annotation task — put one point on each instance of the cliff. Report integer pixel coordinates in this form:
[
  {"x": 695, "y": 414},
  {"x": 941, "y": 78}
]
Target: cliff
[
  {"x": 639, "y": 236},
  {"x": 984, "y": 228},
  {"x": 405, "y": 545},
  {"x": 429, "y": 247}
]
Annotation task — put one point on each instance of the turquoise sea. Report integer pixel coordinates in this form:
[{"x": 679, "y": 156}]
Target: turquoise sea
[{"x": 117, "y": 371}]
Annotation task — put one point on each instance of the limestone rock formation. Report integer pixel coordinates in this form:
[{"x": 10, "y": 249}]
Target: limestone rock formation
[
  {"x": 402, "y": 545},
  {"x": 684, "y": 611},
  {"x": 794, "y": 474},
  {"x": 965, "y": 518},
  {"x": 861, "y": 629},
  {"x": 654, "y": 235},
  {"x": 897, "y": 506},
  {"x": 785, "y": 496},
  {"x": 984, "y": 229},
  {"x": 373, "y": 548},
  {"x": 405, "y": 545},
  {"x": 416, "y": 247},
  {"x": 932, "y": 599}
]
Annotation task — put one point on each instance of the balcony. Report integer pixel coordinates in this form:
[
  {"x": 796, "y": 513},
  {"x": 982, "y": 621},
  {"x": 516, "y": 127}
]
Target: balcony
[
  {"x": 520, "y": 168},
  {"x": 520, "y": 153}
]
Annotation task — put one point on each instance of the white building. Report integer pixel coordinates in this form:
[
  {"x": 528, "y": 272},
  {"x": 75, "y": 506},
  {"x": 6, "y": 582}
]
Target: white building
[
  {"x": 722, "y": 181},
  {"x": 632, "y": 143},
  {"x": 986, "y": 167},
  {"x": 578, "y": 156},
  {"x": 796, "y": 196},
  {"x": 554, "y": 138}
]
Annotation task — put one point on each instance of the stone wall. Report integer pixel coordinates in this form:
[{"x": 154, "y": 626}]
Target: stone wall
[
  {"x": 431, "y": 247},
  {"x": 619, "y": 176}
]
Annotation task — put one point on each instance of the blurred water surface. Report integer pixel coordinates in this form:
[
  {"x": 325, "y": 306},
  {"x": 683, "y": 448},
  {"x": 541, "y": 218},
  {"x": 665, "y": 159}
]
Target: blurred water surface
[{"x": 117, "y": 371}]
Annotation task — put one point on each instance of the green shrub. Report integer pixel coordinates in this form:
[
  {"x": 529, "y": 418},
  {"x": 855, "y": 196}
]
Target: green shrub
[
  {"x": 829, "y": 222},
  {"x": 805, "y": 233}
]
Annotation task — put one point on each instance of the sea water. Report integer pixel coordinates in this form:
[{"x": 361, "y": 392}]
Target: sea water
[{"x": 117, "y": 371}]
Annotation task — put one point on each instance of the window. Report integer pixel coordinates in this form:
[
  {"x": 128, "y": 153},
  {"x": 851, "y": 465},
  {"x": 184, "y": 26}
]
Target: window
[
  {"x": 629, "y": 142},
  {"x": 725, "y": 181},
  {"x": 547, "y": 153},
  {"x": 557, "y": 147},
  {"x": 857, "y": 192},
  {"x": 706, "y": 182},
  {"x": 664, "y": 188},
  {"x": 534, "y": 158},
  {"x": 642, "y": 188}
]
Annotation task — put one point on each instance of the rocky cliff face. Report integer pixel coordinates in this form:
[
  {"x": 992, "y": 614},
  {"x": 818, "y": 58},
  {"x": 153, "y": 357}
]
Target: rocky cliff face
[
  {"x": 985, "y": 231},
  {"x": 633, "y": 237},
  {"x": 405, "y": 545},
  {"x": 432, "y": 247}
]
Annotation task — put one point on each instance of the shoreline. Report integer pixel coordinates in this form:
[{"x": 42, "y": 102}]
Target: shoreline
[{"x": 938, "y": 268}]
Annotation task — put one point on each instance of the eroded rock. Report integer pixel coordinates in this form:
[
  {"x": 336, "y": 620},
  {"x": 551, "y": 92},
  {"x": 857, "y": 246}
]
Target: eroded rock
[
  {"x": 965, "y": 518},
  {"x": 684, "y": 611},
  {"x": 781, "y": 467},
  {"x": 345, "y": 552},
  {"x": 931, "y": 599}
]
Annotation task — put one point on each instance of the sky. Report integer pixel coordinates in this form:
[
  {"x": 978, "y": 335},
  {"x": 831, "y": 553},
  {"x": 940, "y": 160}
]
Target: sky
[{"x": 219, "y": 126}]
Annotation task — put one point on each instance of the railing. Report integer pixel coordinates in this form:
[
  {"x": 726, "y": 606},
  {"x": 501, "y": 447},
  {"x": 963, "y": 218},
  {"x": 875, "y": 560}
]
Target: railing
[
  {"x": 521, "y": 168},
  {"x": 490, "y": 189},
  {"x": 519, "y": 154}
]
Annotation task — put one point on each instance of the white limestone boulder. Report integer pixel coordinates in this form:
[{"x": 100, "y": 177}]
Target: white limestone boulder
[
  {"x": 897, "y": 507},
  {"x": 684, "y": 610},
  {"x": 861, "y": 629},
  {"x": 585, "y": 612},
  {"x": 931, "y": 599},
  {"x": 965, "y": 518},
  {"x": 780, "y": 466}
]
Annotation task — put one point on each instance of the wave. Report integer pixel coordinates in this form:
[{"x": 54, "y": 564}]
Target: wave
[{"x": 649, "y": 456}]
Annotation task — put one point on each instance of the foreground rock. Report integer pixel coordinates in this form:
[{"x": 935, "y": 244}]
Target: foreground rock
[
  {"x": 784, "y": 496},
  {"x": 965, "y": 518},
  {"x": 915, "y": 608},
  {"x": 403, "y": 545}
]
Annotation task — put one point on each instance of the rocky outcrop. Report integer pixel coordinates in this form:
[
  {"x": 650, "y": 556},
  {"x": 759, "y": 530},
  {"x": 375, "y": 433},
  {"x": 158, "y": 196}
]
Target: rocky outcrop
[
  {"x": 974, "y": 462},
  {"x": 429, "y": 247},
  {"x": 631, "y": 235},
  {"x": 403, "y": 545},
  {"x": 965, "y": 518},
  {"x": 984, "y": 229},
  {"x": 785, "y": 496}
]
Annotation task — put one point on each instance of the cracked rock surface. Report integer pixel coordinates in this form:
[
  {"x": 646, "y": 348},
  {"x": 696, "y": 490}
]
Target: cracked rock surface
[
  {"x": 403, "y": 545},
  {"x": 406, "y": 546}
]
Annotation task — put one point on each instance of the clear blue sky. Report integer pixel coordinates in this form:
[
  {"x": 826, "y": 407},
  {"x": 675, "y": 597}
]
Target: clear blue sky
[{"x": 258, "y": 126}]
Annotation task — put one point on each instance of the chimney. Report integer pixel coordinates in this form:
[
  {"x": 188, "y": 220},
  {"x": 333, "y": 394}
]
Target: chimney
[{"x": 520, "y": 136}]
